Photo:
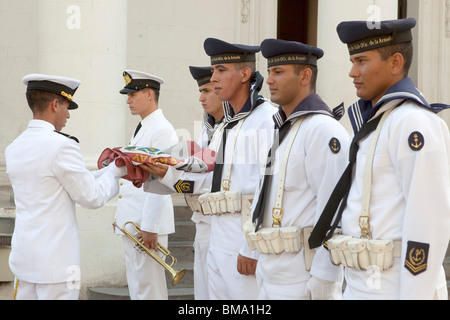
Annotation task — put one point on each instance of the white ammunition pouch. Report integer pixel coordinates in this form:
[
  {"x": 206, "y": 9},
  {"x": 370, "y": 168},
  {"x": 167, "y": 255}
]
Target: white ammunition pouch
[
  {"x": 192, "y": 202},
  {"x": 285, "y": 239},
  {"x": 224, "y": 202},
  {"x": 363, "y": 254}
]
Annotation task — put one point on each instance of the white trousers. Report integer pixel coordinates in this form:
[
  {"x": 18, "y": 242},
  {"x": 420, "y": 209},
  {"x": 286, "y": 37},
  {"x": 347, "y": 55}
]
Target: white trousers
[
  {"x": 225, "y": 282},
  {"x": 145, "y": 276},
  {"x": 294, "y": 291},
  {"x": 441, "y": 292},
  {"x": 53, "y": 291},
  {"x": 201, "y": 246}
]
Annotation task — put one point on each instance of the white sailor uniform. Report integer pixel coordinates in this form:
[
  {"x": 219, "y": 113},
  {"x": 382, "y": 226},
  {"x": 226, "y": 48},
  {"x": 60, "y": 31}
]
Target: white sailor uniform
[
  {"x": 316, "y": 160},
  {"x": 227, "y": 240},
  {"x": 210, "y": 137},
  {"x": 409, "y": 200}
]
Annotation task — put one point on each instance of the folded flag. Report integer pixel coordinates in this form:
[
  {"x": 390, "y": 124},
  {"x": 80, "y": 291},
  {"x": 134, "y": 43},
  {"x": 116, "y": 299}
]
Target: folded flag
[{"x": 186, "y": 156}]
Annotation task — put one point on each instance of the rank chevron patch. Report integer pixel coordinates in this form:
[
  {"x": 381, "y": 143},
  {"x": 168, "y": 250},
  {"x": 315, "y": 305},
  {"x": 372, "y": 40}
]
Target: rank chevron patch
[
  {"x": 416, "y": 257},
  {"x": 183, "y": 186}
]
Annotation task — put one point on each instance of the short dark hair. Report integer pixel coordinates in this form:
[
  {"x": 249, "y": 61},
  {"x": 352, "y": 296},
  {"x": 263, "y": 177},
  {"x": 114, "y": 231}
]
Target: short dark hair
[
  {"x": 39, "y": 100},
  {"x": 155, "y": 91},
  {"x": 300, "y": 67},
  {"x": 405, "y": 49},
  {"x": 251, "y": 65}
]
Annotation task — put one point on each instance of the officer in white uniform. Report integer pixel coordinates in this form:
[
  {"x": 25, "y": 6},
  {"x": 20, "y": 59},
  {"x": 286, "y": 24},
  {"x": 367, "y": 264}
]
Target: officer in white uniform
[
  {"x": 305, "y": 162},
  {"x": 395, "y": 217},
  {"x": 237, "y": 171},
  {"x": 154, "y": 213},
  {"x": 211, "y": 133},
  {"x": 49, "y": 176}
]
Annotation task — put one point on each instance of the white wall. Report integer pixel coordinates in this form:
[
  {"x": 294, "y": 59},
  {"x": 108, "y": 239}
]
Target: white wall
[
  {"x": 166, "y": 37},
  {"x": 334, "y": 84}
]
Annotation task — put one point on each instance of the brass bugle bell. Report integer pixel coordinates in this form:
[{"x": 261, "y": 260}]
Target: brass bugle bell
[{"x": 177, "y": 275}]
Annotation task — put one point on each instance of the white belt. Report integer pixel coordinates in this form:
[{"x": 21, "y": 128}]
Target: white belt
[
  {"x": 277, "y": 211},
  {"x": 226, "y": 183},
  {"x": 364, "y": 220}
]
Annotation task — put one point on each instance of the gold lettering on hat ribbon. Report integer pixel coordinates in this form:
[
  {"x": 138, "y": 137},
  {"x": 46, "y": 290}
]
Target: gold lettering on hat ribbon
[{"x": 369, "y": 43}]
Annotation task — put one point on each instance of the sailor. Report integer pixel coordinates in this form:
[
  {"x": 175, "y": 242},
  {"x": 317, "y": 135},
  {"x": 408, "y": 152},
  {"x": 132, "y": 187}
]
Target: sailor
[
  {"x": 306, "y": 160},
  {"x": 152, "y": 212},
  {"x": 395, "y": 211},
  {"x": 49, "y": 177},
  {"x": 211, "y": 134},
  {"x": 240, "y": 159}
]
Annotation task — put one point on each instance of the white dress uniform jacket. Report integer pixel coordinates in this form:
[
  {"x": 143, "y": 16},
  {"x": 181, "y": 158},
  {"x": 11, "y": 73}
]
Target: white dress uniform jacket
[
  {"x": 49, "y": 176},
  {"x": 153, "y": 212},
  {"x": 410, "y": 200},
  {"x": 316, "y": 161}
]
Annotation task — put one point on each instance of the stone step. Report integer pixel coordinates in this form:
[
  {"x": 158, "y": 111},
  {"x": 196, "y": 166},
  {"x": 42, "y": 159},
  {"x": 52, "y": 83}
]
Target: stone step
[
  {"x": 108, "y": 293},
  {"x": 184, "y": 231},
  {"x": 183, "y": 251},
  {"x": 181, "y": 211},
  {"x": 188, "y": 279},
  {"x": 122, "y": 293}
]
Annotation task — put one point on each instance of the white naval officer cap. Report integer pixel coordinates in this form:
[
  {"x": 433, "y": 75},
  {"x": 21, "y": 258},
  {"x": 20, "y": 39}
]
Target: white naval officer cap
[
  {"x": 63, "y": 86},
  {"x": 138, "y": 80}
]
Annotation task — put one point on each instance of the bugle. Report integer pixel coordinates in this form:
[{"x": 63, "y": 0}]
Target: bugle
[{"x": 177, "y": 275}]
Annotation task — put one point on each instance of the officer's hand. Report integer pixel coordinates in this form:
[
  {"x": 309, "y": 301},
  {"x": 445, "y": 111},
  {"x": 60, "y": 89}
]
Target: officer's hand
[
  {"x": 150, "y": 240},
  {"x": 157, "y": 169},
  {"x": 246, "y": 266}
]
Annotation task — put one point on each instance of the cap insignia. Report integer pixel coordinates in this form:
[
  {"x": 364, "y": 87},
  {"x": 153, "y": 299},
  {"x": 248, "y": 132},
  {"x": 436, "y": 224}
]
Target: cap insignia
[
  {"x": 127, "y": 78},
  {"x": 66, "y": 95}
]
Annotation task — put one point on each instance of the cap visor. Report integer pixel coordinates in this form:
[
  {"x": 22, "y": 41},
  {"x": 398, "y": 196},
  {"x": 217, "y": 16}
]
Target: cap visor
[
  {"x": 73, "y": 105},
  {"x": 125, "y": 91}
]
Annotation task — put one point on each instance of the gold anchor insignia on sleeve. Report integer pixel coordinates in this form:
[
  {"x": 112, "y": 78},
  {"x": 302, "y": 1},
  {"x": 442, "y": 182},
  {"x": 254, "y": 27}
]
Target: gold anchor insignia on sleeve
[
  {"x": 335, "y": 145},
  {"x": 416, "y": 141}
]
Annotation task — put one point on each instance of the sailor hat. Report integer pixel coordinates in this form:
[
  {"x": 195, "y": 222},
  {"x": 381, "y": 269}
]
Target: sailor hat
[
  {"x": 281, "y": 52},
  {"x": 137, "y": 80},
  {"x": 363, "y": 36},
  {"x": 201, "y": 74},
  {"x": 63, "y": 86},
  {"x": 224, "y": 52}
]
